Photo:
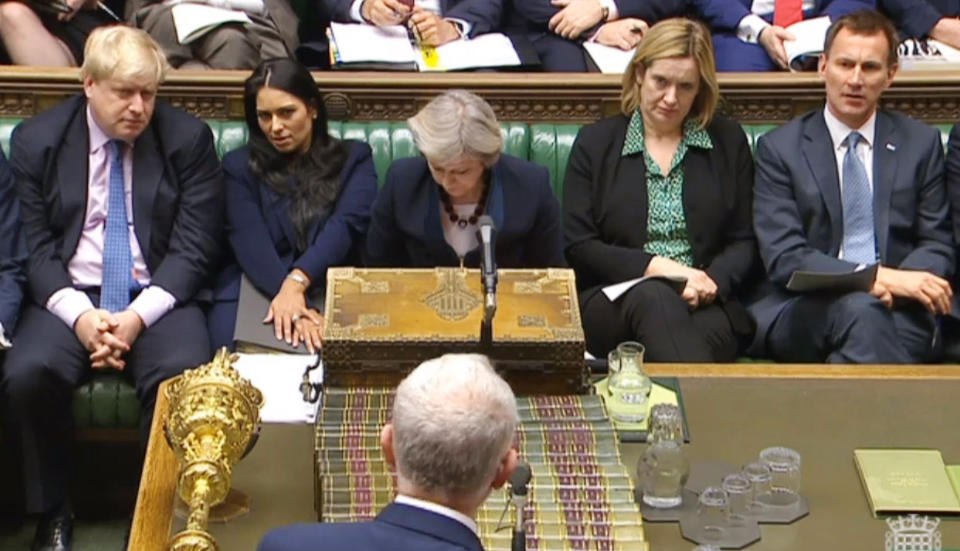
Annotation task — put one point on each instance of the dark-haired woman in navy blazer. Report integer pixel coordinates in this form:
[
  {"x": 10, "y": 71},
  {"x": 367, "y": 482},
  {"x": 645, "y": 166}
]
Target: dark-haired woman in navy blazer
[
  {"x": 426, "y": 213},
  {"x": 298, "y": 201}
]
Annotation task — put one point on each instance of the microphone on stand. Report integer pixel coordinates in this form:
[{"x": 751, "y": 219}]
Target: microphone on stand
[
  {"x": 518, "y": 495},
  {"x": 486, "y": 236}
]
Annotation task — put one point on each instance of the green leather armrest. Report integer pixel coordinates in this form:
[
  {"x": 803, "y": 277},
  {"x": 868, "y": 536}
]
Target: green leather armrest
[{"x": 106, "y": 401}]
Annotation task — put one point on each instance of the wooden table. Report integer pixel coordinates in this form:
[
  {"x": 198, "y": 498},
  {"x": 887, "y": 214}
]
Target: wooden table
[{"x": 733, "y": 412}]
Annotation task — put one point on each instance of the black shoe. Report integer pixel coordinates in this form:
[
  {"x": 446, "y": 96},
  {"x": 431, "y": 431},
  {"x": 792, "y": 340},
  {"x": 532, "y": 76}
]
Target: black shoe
[{"x": 54, "y": 533}]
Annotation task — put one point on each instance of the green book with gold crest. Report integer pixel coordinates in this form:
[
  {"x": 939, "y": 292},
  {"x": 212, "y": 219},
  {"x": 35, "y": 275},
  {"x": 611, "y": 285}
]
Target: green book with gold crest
[{"x": 906, "y": 481}]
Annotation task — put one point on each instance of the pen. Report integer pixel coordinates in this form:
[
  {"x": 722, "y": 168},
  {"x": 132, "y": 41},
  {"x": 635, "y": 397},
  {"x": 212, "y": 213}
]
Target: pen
[{"x": 107, "y": 10}]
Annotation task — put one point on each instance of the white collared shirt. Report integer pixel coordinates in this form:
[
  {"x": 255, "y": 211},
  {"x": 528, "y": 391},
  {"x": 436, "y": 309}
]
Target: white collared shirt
[
  {"x": 440, "y": 510},
  {"x": 750, "y": 26},
  {"x": 838, "y": 135},
  {"x": 4, "y": 342}
]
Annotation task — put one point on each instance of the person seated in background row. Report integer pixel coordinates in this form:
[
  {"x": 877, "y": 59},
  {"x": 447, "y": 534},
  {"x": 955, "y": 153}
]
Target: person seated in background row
[
  {"x": 271, "y": 32},
  {"x": 937, "y": 19},
  {"x": 557, "y": 28},
  {"x": 436, "y": 22},
  {"x": 426, "y": 213},
  {"x": 13, "y": 254},
  {"x": 121, "y": 202},
  {"x": 748, "y": 35},
  {"x": 950, "y": 326},
  {"x": 298, "y": 201},
  {"x": 450, "y": 442},
  {"x": 848, "y": 186},
  {"x": 32, "y": 36},
  {"x": 664, "y": 189}
]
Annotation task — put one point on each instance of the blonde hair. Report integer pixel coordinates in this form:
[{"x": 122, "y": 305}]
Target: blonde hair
[
  {"x": 676, "y": 37},
  {"x": 454, "y": 124},
  {"x": 122, "y": 52}
]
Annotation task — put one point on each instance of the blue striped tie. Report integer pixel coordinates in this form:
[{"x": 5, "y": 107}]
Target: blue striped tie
[
  {"x": 117, "y": 258},
  {"x": 858, "y": 233}
]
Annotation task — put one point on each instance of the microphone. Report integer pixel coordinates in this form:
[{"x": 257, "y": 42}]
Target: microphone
[
  {"x": 518, "y": 495},
  {"x": 486, "y": 235}
]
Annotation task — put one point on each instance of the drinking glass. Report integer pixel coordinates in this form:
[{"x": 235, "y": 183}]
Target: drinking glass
[
  {"x": 759, "y": 476},
  {"x": 784, "y": 464},
  {"x": 713, "y": 512},
  {"x": 666, "y": 423},
  {"x": 738, "y": 493}
]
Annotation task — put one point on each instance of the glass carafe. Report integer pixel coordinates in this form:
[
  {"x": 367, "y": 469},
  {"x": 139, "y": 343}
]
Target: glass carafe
[{"x": 628, "y": 387}]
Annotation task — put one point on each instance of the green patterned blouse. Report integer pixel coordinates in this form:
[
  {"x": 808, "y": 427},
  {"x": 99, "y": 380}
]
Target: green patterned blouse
[{"x": 666, "y": 223}]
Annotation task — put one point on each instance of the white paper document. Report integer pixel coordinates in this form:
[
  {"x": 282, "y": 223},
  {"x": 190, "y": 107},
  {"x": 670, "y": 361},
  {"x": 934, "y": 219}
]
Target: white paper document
[
  {"x": 194, "y": 20},
  {"x": 486, "y": 50},
  {"x": 361, "y": 43},
  {"x": 278, "y": 376},
  {"x": 609, "y": 59},
  {"x": 810, "y": 34},
  {"x": 928, "y": 54},
  {"x": 617, "y": 290}
]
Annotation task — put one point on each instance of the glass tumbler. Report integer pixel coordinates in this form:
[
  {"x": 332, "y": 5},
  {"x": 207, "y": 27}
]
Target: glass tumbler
[
  {"x": 738, "y": 493},
  {"x": 666, "y": 423},
  {"x": 784, "y": 464},
  {"x": 759, "y": 476},
  {"x": 713, "y": 512}
]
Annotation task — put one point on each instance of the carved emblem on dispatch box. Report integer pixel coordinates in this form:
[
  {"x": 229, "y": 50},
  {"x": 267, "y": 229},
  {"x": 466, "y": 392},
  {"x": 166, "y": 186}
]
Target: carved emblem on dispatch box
[
  {"x": 452, "y": 300},
  {"x": 531, "y": 321},
  {"x": 374, "y": 287},
  {"x": 373, "y": 320}
]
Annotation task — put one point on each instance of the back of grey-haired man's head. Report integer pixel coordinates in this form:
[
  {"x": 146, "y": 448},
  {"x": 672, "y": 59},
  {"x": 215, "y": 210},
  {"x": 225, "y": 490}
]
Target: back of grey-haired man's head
[{"x": 454, "y": 419}]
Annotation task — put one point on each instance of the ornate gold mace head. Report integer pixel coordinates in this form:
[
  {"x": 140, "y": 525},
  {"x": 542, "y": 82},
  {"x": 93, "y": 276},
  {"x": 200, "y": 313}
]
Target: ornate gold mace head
[{"x": 214, "y": 413}]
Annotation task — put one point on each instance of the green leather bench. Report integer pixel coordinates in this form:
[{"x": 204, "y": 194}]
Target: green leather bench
[{"x": 108, "y": 400}]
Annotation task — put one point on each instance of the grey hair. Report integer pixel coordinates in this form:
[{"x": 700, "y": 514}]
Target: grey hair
[
  {"x": 454, "y": 419},
  {"x": 454, "y": 124}
]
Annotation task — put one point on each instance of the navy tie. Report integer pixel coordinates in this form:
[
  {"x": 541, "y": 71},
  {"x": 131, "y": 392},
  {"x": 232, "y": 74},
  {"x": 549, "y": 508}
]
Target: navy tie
[
  {"x": 117, "y": 258},
  {"x": 858, "y": 233}
]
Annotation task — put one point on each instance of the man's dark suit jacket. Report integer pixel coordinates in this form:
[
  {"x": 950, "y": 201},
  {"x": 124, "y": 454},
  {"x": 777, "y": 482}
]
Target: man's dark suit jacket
[
  {"x": 483, "y": 15},
  {"x": 605, "y": 211},
  {"x": 13, "y": 251},
  {"x": 725, "y": 15},
  {"x": 262, "y": 235},
  {"x": 798, "y": 214},
  {"x": 398, "y": 527},
  {"x": 916, "y": 18},
  {"x": 953, "y": 189},
  {"x": 177, "y": 196},
  {"x": 406, "y": 229}
]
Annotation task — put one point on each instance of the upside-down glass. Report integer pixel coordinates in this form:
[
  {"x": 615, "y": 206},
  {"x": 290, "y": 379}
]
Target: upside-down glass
[
  {"x": 666, "y": 423},
  {"x": 713, "y": 512},
  {"x": 628, "y": 386},
  {"x": 662, "y": 472},
  {"x": 759, "y": 476},
  {"x": 738, "y": 493},
  {"x": 784, "y": 464}
]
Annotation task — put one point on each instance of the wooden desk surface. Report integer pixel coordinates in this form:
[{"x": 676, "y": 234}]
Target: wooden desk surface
[{"x": 733, "y": 412}]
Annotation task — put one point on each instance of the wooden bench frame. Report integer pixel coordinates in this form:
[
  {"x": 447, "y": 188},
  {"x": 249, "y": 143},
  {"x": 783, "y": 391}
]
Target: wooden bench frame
[{"x": 532, "y": 97}]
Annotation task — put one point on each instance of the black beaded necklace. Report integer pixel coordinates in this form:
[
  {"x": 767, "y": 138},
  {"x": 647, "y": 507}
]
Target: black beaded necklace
[{"x": 477, "y": 211}]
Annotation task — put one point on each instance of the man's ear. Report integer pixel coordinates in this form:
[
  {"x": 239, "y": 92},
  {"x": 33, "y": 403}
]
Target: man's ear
[
  {"x": 507, "y": 464},
  {"x": 386, "y": 443},
  {"x": 87, "y": 85},
  {"x": 822, "y": 65}
]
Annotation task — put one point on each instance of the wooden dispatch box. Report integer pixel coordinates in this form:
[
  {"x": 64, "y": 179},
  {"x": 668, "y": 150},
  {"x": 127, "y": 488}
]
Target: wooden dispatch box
[{"x": 381, "y": 323}]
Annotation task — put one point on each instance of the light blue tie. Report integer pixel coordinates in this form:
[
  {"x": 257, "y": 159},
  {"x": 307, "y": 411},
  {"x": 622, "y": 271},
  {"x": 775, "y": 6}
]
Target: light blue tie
[
  {"x": 858, "y": 233},
  {"x": 117, "y": 258}
]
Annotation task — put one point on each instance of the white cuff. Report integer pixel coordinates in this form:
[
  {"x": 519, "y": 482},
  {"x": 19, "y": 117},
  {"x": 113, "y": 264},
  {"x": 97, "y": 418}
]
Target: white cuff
[
  {"x": 4, "y": 343},
  {"x": 152, "y": 303},
  {"x": 68, "y": 304},
  {"x": 749, "y": 28},
  {"x": 355, "y": 11},
  {"x": 612, "y": 6},
  {"x": 461, "y": 25}
]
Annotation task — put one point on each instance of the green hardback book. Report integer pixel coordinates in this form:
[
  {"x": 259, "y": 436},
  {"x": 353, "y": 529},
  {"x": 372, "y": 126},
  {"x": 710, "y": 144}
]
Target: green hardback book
[{"x": 906, "y": 481}]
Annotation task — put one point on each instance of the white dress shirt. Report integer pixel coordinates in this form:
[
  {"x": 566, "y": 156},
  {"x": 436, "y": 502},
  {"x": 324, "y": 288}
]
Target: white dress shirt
[
  {"x": 440, "y": 510},
  {"x": 429, "y": 5},
  {"x": 838, "y": 135},
  {"x": 750, "y": 26},
  {"x": 4, "y": 342}
]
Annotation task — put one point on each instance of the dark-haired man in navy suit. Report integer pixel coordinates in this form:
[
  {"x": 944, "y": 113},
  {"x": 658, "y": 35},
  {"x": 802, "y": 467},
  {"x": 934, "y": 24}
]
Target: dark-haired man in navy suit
[
  {"x": 748, "y": 35},
  {"x": 847, "y": 186},
  {"x": 936, "y": 19},
  {"x": 436, "y": 21},
  {"x": 450, "y": 442},
  {"x": 121, "y": 202},
  {"x": 558, "y": 28}
]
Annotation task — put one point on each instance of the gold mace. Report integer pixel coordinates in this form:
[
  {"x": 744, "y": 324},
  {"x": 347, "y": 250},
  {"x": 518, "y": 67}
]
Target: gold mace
[{"x": 214, "y": 414}]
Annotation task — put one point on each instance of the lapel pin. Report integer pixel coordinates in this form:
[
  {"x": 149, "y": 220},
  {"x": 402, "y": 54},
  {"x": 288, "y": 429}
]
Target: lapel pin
[{"x": 891, "y": 147}]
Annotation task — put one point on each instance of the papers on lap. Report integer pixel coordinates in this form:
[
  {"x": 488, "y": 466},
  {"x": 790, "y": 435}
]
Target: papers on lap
[
  {"x": 607, "y": 58},
  {"x": 194, "y": 20},
  {"x": 278, "y": 376},
  {"x": 810, "y": 35},
  {"x": 359, "y": 43},
  {"x": 615, "y": 291},
  {"x": 927, "y": 54}
]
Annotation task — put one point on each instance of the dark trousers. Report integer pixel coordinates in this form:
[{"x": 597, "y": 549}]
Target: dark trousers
[
  {"x": 733, "y": 54},
  {"x": 559, "y": 55},
  {"x": 47, "y": 363},
  {"x": 851, "y": 328},
  {"x": 655, "y": 315}
]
